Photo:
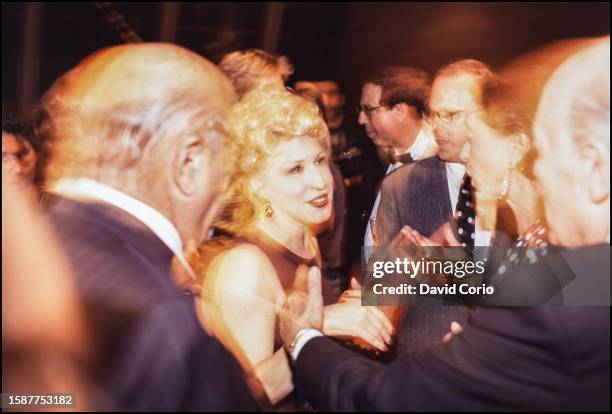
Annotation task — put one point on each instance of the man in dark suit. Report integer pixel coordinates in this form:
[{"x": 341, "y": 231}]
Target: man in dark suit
[
  {"x": 536, "y": 358},
  {"x": 140, "y": 156},
  {"x": 392, "y": 108},
  {"x": 424, "y": 195},
  {"x": 416, "y": 195}
]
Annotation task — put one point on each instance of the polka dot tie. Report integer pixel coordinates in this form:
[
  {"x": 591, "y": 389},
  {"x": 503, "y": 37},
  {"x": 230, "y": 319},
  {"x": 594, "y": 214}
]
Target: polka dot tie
[{"x": 465, "y": 213}]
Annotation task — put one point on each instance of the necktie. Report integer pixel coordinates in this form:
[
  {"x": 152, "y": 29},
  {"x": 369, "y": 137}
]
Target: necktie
[
  {"x": 465, "y": 213},
  {"x": 403, "y": 158}
]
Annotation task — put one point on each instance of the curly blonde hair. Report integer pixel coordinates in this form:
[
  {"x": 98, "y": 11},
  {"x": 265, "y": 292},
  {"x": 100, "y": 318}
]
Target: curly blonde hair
[{"x": 258, "y": 124}]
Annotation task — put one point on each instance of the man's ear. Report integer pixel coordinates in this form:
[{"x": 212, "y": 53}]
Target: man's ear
[
  {"x": 405, "y": 111},
  {"x": 595, "y": 165},
  {"x": 189, "y": 163},
  {"x": 400, "y": 110}
]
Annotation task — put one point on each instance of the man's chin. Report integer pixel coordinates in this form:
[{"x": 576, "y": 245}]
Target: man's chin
[
  {"x": 449, "y": 157},
  {"x": 444, "y": 157},
  {"x": 378, "y": 142}
]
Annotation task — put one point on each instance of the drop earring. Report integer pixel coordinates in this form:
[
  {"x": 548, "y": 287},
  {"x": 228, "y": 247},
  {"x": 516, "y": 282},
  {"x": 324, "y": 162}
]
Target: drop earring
[
  {"x": 268, "y": 212},
  {"x": 505, "y": 184}
]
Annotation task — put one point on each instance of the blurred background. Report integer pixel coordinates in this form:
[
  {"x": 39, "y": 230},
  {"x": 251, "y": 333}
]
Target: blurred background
[{"x": 341, "y": 41}]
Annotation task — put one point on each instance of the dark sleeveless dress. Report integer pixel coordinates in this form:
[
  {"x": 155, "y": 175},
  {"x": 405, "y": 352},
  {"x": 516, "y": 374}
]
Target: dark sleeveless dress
[{"x": 291, "y": 269}]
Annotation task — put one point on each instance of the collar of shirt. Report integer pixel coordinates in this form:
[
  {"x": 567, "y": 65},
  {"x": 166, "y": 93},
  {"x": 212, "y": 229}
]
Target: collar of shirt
[
  {"x": 454, "y": 175},
  {"x": 419, "y": 146},
  {"x": 88, "y": 189}
]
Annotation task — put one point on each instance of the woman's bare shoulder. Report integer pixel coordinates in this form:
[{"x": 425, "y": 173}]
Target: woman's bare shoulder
[{"x": 244, "y": 267}]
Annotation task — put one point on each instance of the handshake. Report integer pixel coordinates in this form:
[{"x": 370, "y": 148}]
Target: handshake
[{"x": 370, "y": 327}]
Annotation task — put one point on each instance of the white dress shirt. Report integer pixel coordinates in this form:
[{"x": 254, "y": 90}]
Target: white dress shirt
[
  {"x": 454, "y": 176},
  {"x": 302, "y": 340},
  {"x": 87, "y": 189}
]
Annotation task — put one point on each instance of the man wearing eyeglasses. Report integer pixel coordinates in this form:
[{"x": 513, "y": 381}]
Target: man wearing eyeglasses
[
  {"x": 456, "y": 92},
  {"x": 392, "y": 107},
  {"x": 425, "y": 194}
]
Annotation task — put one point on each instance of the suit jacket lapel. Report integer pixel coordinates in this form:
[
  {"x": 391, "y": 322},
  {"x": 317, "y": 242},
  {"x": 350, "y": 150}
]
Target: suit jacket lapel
[{"x": 446, "y": 207}]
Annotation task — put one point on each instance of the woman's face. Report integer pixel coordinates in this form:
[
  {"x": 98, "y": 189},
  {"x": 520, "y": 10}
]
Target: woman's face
[
  {"x": 297, "y": 181},
  {"x": 18, "y": 156},
  {"x": 489, "y": 157}
]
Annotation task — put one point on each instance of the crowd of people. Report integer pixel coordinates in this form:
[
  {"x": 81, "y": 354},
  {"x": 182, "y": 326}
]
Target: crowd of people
[{"x": 200, "y": 231}]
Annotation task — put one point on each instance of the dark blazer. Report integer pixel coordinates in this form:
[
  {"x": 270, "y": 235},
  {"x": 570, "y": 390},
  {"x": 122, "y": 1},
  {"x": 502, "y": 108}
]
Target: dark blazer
[
  {"x": 417, "y": 195},
  {"x": 414, "y": 195},
  {"x": 537, "y": 358},
  {"x": 151, "y": 352}
]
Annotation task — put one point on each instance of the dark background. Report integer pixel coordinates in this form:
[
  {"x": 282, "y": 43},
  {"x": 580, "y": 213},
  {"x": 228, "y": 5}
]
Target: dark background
[{"x": 344, "y": 41}]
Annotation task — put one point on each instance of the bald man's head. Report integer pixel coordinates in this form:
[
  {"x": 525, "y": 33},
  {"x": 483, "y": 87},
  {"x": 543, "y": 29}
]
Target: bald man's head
[
  {"x": 572, "y": 138},
  {"x": 148, "y": 72},
  {"x": 123, "y": 98},
  {"x": 142, "y": 116}
]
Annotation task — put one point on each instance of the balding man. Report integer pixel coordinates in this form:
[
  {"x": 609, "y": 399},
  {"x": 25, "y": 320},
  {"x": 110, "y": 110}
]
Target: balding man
[
  {"x": 572, "y": 129},
  {"x": 506, "y": 358},
  {"x": 139, "y": 160}
]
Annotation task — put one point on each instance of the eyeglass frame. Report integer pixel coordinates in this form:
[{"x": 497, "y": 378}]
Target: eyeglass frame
[
  {"x": 368, "y": 111},
  {"x": 433, "y": 115},
  {"x": 411, "y": 102}
]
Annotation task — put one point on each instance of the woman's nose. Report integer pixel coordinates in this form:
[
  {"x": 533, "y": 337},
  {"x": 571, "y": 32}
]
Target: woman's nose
[{"x": 316, "y": 178}]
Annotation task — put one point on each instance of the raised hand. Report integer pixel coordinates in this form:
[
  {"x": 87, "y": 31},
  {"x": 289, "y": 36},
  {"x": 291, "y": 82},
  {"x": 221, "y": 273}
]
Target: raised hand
[{"x": 302, "y": 310}]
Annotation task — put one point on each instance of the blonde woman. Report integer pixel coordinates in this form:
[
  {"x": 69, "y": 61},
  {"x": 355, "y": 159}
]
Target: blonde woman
[{"x": 281, "y": 193}]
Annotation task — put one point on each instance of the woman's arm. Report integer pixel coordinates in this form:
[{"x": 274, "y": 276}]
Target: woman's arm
[
  {"x": 246, "y": 296},
  {"x": 350, "y": 319}
]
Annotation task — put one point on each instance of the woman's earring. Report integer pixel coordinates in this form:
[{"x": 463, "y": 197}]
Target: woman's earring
[
  {"x": 505, "y": 184},
  {"x": 268, "y": 212}
]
